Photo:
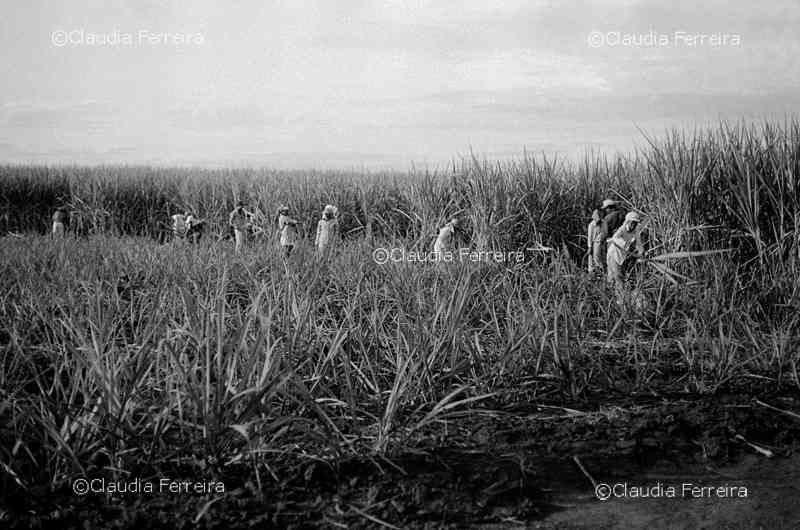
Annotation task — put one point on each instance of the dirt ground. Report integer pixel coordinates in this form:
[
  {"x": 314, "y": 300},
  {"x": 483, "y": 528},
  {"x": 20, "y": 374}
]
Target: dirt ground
[
  {"x": 522, "y": 466},
  {"x": 771, "y": 502}
]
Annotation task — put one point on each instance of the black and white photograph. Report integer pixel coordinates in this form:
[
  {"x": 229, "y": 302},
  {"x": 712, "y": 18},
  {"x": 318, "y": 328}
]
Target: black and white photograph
[{"x": 400, "y": 264}]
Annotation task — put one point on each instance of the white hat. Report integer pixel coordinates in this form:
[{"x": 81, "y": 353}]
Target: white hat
[
  {"x": 609, "y": 202},
  {"x": 632, "y": 216},
  {"x": 329, "y": 209}
]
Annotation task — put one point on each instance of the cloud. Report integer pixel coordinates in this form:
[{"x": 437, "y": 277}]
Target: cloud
[
  {"x": 90, "y": 116},
  {"x": 420, "y": 79}
]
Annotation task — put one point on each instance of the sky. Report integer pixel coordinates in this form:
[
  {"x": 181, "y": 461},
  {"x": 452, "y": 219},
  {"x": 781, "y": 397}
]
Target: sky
[{"x": 380, "y": 84}]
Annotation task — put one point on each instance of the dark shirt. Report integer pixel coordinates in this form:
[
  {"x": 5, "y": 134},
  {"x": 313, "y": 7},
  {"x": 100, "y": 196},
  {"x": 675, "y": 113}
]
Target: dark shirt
[{"x": 611, "y": 223}]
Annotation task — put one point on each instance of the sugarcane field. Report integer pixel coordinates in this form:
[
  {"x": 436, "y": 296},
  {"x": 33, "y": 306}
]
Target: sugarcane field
[{"x": 334, "y": 335}]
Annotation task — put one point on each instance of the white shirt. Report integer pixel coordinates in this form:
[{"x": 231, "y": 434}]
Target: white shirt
[
  {"x": 325, "y": 232},
  {"x": 619, "y": 246},
  {"x": 179, "y": 223},
  {"x": 445, "y": 239},
  {"x": 286, "y": 227}
]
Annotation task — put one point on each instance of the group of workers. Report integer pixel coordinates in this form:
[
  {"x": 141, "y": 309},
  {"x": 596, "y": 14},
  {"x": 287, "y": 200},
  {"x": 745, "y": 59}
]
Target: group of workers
[
  {"x": 242, "y": 222},
  {"x": 188, "y": 227},
  {"x": 185, "y": 226},
  {"x": 613, "y": 236},
  {"x": 614, "y": 240}
]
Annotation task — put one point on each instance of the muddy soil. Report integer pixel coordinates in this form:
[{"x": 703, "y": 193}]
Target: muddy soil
[{"x": 522, "y": 466}]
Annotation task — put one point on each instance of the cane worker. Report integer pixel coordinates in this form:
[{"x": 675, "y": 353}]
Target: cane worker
[
  {"x": 624, "y": 246},
  {"x": 287, "y": 231},
  {"x": 194, "y": 228},
  {"x": 240, "y": 221},
  {"x": 594, "y": 238},
  {"x": 327, "y": 230},
  {"x": 613, "y": 217},
  {"x": 180, "y": 226},
  {"x": 60, "y": 223},
  {"x": 446, "y": 239}
]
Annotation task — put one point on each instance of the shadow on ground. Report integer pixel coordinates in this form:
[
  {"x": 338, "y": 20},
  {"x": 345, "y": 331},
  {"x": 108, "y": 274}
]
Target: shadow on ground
[{"x": 533, "y": 466}]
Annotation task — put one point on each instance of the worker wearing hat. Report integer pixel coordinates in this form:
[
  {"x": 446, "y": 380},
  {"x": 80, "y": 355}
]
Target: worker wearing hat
[
  {"x": 194, "y": 227},
  {"x": 287, "y": 231},
  {"x": 60, "y": 223},
  {"x": 327, "y": 230},
  {"x": 625, "y": 244},
  {"x": 611, "y": 218},
  {"x": 446, "y": 239},
  {"x": 240, "y": 221},
  {"x": 179, "y": 226}
]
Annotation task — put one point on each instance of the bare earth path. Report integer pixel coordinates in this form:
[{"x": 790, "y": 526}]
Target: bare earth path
[
  {"x": 524, "y": 465},
  {"x": 773, "y": 500}
]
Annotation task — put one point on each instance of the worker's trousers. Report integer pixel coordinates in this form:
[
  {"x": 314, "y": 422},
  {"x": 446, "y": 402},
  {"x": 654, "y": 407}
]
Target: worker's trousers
[{"x": 241, "y": 239}]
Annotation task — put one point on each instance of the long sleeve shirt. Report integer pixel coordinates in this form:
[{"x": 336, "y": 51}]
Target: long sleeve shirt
[
  {"x": 444, "y": 241},
  {"x": 61, "y": 216},
  {"x": 239, "y": 218},
  {"x": 622, "y": 245},
  {"x": 179, "y": 224},
  {"x": 326, "y": 232},
  {"x": 287, "y": 230}
]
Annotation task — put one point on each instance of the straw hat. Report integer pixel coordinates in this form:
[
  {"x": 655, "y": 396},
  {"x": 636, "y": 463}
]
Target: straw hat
[
  {"x": 608, "y": 203},
  {"x": 632, "y": 216}
]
